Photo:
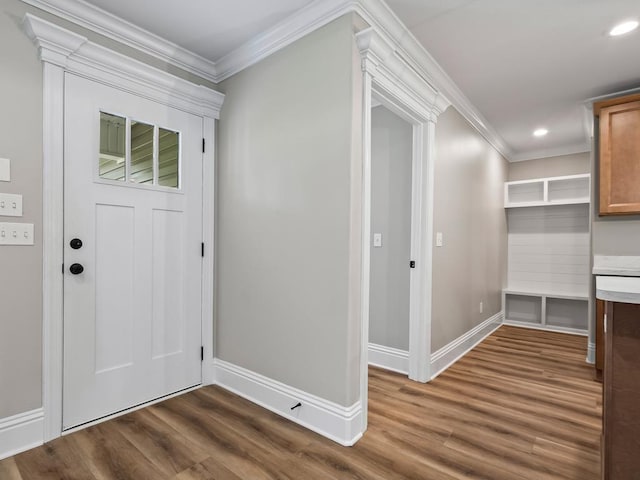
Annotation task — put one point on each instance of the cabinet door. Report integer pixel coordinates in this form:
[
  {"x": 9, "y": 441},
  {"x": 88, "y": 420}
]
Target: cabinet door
[
  {"x": 620, "y": 159},
  {"x": 621, "y": 409}
]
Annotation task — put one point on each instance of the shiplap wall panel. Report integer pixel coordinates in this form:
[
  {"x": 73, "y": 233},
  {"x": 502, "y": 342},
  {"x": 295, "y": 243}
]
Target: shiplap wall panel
[
  {"x": 572, "y": 267},
  {"x": 526, "y": 192},
  {"x": 549, "y": 249},
  {"x": 569, "y": 189}
]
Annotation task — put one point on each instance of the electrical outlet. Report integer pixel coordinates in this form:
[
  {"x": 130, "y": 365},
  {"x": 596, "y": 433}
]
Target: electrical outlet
[
  {"x": 377, "y": 240},
  {"x": 439, "y": 241},
  {"x": 16, "y": 233},
  {"x": 10, "y": 205},
  {"x": 481, "y": 307}
]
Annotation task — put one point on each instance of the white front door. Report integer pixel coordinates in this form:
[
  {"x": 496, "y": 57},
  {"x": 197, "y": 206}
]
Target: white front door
[{"x": 132, "y": 268}]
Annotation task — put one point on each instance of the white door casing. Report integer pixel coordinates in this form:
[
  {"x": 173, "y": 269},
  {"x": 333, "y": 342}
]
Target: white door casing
[
  {"x": 64, "y": 51},
  {"x": 132, "y": 330},
  {"x": 402, "y": 90}
]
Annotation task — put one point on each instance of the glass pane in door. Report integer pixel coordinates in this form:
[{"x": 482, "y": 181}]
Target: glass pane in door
[
  {"x": 112, "y": 146},
  {"x": 141, "y": 153},
  {"x": 169, "y": 158}
]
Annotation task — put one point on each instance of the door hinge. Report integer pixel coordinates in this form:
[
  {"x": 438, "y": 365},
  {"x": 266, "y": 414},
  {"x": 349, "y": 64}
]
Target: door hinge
[
  {"x": 202, "y": 249},
  {"x": 203, "y": 145},
  {"x": 63, "y": 268},
  {"x": 412, "y": 264},
  {"x": 202, "y": 354}
]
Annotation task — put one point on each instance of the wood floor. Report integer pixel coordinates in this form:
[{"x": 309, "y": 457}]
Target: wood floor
[{"x": 522, "y": 405}]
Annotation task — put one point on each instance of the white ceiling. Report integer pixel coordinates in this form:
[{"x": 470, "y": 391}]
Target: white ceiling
[
  {"x": 526, "y": 64},
  {"x": 210, "y": 28},
  {"x": 523, "y": 64}
]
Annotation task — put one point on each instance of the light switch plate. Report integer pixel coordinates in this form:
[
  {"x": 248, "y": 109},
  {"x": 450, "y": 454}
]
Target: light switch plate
[
  {"x": 5, "y": 170},
  {"x": 377, "y": 240},
  {"x": 439, "y": 241},
  {"x": 10, "y": 205},
  {"x": 16, "y": 234}
]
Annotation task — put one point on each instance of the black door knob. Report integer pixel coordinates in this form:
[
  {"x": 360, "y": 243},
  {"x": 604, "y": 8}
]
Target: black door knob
[
  {"x": 76, "y": 243},
  {"x": 76, "y": 269}
]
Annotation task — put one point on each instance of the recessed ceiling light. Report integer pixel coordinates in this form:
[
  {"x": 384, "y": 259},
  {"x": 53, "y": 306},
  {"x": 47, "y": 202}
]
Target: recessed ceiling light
[
  {"x": 541, "y": 132},
  {"x": 624, "y": 27}
]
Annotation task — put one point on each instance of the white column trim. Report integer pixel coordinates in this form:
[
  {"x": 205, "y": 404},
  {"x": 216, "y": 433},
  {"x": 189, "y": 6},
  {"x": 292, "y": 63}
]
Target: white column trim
[
  {"x": 365, "y": 259},
  {"x": 61, "y": 52},
  {"x": 422, "y": 223},
  {"x": 52, "y": 246},
  {"x": 208, "y": 237},
  {"x": 429, "y": 199}
]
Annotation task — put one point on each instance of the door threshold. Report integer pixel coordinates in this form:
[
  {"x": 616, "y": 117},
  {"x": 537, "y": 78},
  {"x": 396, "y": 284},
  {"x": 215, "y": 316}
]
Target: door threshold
[{"x": 111, "y": 416}]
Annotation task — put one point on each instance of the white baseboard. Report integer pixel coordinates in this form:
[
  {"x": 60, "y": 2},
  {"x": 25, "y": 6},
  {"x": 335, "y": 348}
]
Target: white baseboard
[
  {"x": 545, "y": 328},
  {"x": 591, "y": 353},
  {"x": 454, "y": 351},
  {"x": 389, "y": 358},
  {"x": 21, "y": 432},
  {"x": 340, "y": 424}
]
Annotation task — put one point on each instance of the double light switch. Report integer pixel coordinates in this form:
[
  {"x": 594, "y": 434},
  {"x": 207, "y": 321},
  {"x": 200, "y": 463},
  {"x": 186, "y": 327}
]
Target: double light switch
[{"x": 11, "y": 206}]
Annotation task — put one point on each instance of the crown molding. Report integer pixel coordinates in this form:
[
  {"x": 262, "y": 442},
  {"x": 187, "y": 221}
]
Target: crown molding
[
  {"x": 390, "y": 72},
  {"x": 55, "y": 44},
  {"x": 378, "y": 14},
  {"x": 390, "y": 28},
  {"x": 306, "y": 20},
  {"x": 551, "y": 152},
  {"x": 76, "y": 54},
  {"x": 99, "y": 21}
]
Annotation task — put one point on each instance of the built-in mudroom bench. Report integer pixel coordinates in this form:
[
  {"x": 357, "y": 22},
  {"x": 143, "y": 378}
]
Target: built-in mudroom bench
[{"x": 548, "y": 221}]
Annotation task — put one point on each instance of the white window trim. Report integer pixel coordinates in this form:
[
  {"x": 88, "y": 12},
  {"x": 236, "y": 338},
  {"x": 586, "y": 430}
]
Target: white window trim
[{"x": 63, "y": 51}]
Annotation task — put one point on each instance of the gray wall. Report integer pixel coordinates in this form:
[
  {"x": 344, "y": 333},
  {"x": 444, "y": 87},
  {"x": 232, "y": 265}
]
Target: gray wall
[
  {"x": 391, "y": 155},
  {"x": 469, "y": 210},
  {"x": 287, "y": 218},
  {"x": 574, "y": 164},
  {"x": 21, "y": 278},
  {"x": 21, "y": 141},
  {"x": 611, "y": 234}
]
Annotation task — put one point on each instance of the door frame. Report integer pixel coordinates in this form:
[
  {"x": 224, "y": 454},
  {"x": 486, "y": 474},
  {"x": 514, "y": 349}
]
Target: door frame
[
  {"x": 398, "y": 86},
  {"x": 420, "y": 237},
  {"x": 62, "y": 51}
]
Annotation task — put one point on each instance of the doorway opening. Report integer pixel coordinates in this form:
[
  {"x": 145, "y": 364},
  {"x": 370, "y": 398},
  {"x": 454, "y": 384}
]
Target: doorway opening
[
  {"x": 390, "y": 114},
  {"x": 391, "y": 260}
]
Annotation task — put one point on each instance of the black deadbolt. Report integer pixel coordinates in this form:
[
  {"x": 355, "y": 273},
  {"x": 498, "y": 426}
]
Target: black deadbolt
[
  {"x": 76, "y": 243},
  {"x": 76, "y": 269}
]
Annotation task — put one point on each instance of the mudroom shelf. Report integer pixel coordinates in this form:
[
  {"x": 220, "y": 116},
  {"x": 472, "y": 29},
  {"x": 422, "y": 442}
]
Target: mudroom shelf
[
  {"x": 566, "y": 190},
  {"x": 548, "y": 253}
]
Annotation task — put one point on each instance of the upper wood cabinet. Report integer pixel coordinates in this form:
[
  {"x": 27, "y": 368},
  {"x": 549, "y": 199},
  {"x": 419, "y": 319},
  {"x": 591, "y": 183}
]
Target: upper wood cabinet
[{"x": 619, "y": 155}]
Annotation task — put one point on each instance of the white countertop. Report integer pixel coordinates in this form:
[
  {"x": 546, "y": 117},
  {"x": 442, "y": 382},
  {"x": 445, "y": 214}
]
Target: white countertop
[
  {"x": 625, "y": 266},
  {"x": 618, "y": 289}
]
